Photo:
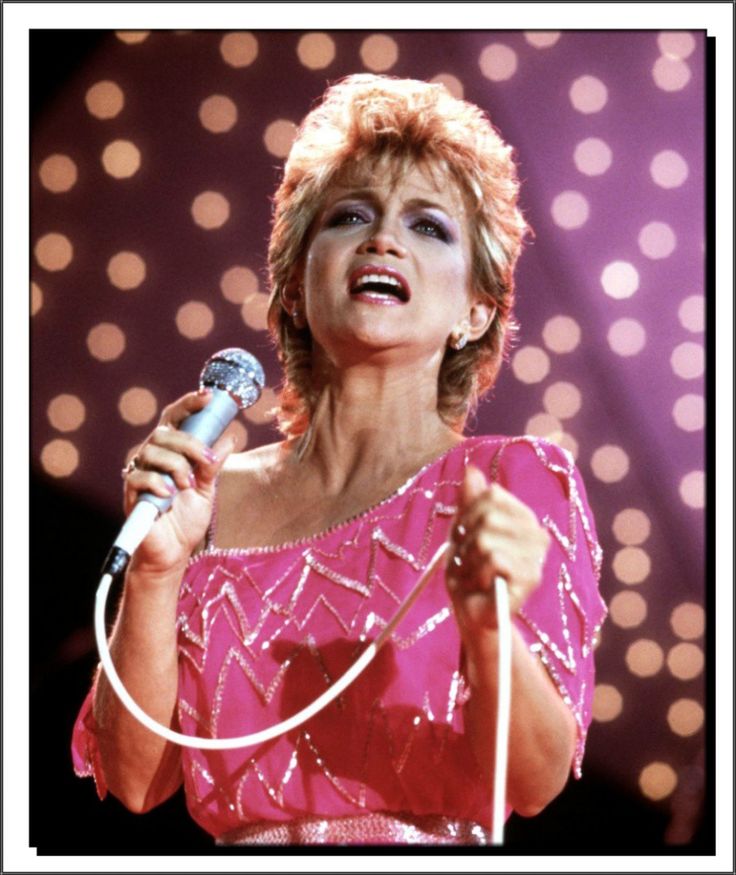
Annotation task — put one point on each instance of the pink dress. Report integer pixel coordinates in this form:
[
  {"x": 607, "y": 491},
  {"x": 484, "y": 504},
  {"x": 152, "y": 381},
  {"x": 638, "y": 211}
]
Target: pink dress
[{"x": 264, "y": 631}]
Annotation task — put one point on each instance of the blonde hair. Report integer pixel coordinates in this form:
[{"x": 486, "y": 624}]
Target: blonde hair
[{"x": 364, "y": 119}]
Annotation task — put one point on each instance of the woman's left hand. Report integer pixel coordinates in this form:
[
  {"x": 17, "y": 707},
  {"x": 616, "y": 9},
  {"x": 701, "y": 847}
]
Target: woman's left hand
[{"x": 494, "y": 534}]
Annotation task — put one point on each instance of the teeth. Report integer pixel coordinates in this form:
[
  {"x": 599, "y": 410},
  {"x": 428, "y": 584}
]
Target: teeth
[{"x": 378, "y": 279}]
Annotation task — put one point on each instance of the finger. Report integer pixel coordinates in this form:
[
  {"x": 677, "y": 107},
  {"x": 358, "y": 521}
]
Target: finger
[
  {"x": 473, "y": 485},
  {"x": 140, "y": 481},
  {"x": 162, "y": 460},
  {"x": 206, "y": 472},
  {"x": 174, "y": 414},
  {"x": 176, "y": 441}
]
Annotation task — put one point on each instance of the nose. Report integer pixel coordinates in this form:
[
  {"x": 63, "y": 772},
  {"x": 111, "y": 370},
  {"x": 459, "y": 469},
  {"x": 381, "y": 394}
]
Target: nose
[{"x": 383, "y": 241}]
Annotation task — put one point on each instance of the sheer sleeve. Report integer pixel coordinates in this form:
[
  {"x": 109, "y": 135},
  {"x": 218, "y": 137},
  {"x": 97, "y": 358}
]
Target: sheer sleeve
[
  {"x": 85, "y": 752},
  {"x": 561, "y": 620}
]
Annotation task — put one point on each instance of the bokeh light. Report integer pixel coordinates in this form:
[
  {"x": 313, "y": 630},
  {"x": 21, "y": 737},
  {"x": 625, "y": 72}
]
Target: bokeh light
[
  {"x": 379, "y": 52},
  {"x": 685, "y": 661},
  {"x": 561, "y": 334},
  {"x": 58, "y": 173},
  {"x": 106, "y": 341},
  {"x": 562, "y": 399},
  {"x": 620, "y": 279},
  {"x": 278, "y": 137},
  {"x": 685, "y": 717},
  {"x": 631, "y": 526},
  {"x": 628, "y": 609},
  {"x": 132, "y": 37},
  {"x": 688, "y": 620},
  {"x": 105, "y": 99},
  {"x": 688, "y": 360},
  {"x": 689, "y": 412},
  {"x": 570, "y": 210},
  {"x": 59, "y": 458},
  {"x": 610, "y": 463},
  {"x": 607, "y": 703},
  {"x": 238, "y": 283},
  {"x": 593, "y": 156},
  {"x": 54, "y": 251},
  {"x": 239, "y": 49},
  {"x": 670, "y": 74},
  {"x": 676, "y": 43},
  {"x": 657, "y": 240},
  {"x": 255, "y": 310},
  {"x": 692, "y": 489},
  {"x": 66, "y": 412},
  {"x": 631, "y": 565},
  {"x": 542, "y": 39},
  {"x": 36, "y": 298},
  {"x": 126, "y": 270},
  {"x": 451, "y": 83},
  {"x": 498, "y": 62},
  {"x": 644, "y": 658},
  {"x": 137, "y": 405},
  {"x": 669, "y": 169},
  {"x": 218, "y": 113},
  {"x": 121, "y": 159},
  {"x": 263, "y": 410},
  {"x": 530, "y": 364},
  {"x": 627, "y": 337},
  {"x": 588, "y": 94},
  {"x": 544, "y": 425},
  {"x": 194, "y": 320},
  {"x": 210, "y": 210},
  {"x": 657, "y": 780},
  {"x": 316, "y": 50},
  {"x": 691, "y": 313}
]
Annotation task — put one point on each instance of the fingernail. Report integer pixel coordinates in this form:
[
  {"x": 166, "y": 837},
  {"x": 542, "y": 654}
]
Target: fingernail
[
  {"x": 192, "y": 481},
  {"x": 210, "y": 456}
]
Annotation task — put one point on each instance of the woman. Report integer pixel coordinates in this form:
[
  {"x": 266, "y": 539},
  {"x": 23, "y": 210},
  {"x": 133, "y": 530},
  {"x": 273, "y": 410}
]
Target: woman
[{"x": 396, "y": 231}]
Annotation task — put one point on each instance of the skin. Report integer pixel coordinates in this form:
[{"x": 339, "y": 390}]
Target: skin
[{"x": 376, "y": 423}]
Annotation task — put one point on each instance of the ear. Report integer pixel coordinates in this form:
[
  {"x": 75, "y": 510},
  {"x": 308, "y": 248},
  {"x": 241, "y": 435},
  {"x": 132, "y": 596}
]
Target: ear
[
  {"x": 479, "y": 319},
  {"x": 292, "y": 295}
]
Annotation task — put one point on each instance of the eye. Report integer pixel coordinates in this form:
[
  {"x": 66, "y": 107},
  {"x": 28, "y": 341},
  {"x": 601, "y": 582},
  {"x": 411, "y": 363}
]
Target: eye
[
  {"x": 431, "y": 228},
  {"x": 347, "y": 216}
]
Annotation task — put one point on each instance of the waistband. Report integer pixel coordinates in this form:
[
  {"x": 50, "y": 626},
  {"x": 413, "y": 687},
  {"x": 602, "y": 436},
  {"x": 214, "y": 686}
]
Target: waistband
[{"x": 374, "y": 828}]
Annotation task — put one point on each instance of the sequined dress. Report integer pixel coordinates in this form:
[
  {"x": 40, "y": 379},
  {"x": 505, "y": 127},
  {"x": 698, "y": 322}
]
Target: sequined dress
[{"x": 264, "y": 631}]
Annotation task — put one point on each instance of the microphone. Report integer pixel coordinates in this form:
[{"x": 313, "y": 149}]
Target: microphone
[{"x": 236, "y": 380}]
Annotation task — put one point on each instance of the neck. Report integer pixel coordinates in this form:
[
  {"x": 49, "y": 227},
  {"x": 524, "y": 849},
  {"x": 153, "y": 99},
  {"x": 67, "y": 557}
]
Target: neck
[{"x": 374, "y": 421}]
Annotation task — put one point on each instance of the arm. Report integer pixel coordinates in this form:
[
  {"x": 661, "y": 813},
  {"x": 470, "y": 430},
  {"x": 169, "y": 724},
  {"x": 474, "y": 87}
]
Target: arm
[
  {"x": 141, "y": 768},
  {"x": 496, "y": 534}
]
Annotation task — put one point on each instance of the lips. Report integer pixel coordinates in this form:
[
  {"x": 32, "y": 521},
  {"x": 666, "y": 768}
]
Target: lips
[{"x": 380, "y": 284}]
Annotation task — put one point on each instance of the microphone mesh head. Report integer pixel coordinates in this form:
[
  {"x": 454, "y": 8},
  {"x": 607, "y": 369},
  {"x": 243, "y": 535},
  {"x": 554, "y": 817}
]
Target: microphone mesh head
[{"x": 237, "y": 372}]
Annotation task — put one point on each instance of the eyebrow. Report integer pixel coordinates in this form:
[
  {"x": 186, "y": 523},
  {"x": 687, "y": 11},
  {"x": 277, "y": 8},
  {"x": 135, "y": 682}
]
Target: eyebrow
[{"x": 369, "y": 195}]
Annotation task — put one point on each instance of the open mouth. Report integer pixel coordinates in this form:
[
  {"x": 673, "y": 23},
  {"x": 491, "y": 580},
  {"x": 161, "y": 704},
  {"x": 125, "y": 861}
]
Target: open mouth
[{"x": 379, "y": 284}]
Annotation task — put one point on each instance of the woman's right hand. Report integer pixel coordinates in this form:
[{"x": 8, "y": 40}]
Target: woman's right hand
[{"x": 194, "y": 468}]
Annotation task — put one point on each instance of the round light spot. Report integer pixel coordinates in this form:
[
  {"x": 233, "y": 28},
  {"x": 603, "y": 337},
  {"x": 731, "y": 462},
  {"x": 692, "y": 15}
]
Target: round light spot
[
  {"x": 689, "y": 412},
  {"x": 498, "y": 62},
  {"x": 627, "y": 337},
  {"x": 676, "y": 43},
  {"x": 542, "y": 39},
  {"x": 279, "y": 136},
  {"x": 657, "y": 780},
  {"x": 607, "y": 703},
  {"x": 657, "y": 240},
  {"x": 210, "y": 210},
  {"x": 238, "y": 283},
  {"x": 562, "y": 400},
  {"x": 631, "y": 565},
  {"x": 631, "y": 526},
  {"x": 685, "y": 661},
  {"x": 644, "y": 658},
  {"x": 379, "y": 52},
  {"x": 106, "y": 341},
  {"x": 620, "y": 279},
  {"x": 544, "y": 425},
  {"x": 568, "y": 442},
  {"x": 688, "y": 360},
  {"x": 137, "y": 405},
  {"x": 54, "y": 251},
  {"x": 670, "y": 74},
  {"x": 105, "y": 99},
  {"x": 255, "y": 311},
  {"x": 132, "y": 36},
  {"x": 36, "y": 298},
  {"x": 570, "y": 210},
  {"x": 593, "y": 156},
  {"x": 239, "y": 433},
  {"x": 194, "y": 320},
  {"x": 691, "y": 313},
  {"x": 669, "y": 169},
  {"x": 239, "y": 49},
  {"x": 316, "y": 50},
  {"x": 264, "y": 410},
  {"x": 685, "y": 717},
  {"x": 218, "y": 113},
  {"x": 530, "y": 364},
  {"x": 451, "y": 83},
  {"x": 610, "y": 463},
  {"x": 126, "y": 270},
  {"x": 628, "y": 609},
  {"x": 561, "y": 334},
  {"x": 58, "y": 173},
  {"x": 688, "y": 620},
  {"x": 121, "y": 159},
  {"x": 588, "y": 94},
  {"x": 692, "y": 489},
  {"x": 66, "y": 412},
  {"x": 60, "y": 458}
]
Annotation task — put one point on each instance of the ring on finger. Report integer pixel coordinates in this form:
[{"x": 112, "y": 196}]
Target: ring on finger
[{"x": 133, "y": 465}]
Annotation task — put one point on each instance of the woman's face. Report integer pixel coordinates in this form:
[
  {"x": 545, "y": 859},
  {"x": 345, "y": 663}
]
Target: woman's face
[{"x": 388, "y": 267}]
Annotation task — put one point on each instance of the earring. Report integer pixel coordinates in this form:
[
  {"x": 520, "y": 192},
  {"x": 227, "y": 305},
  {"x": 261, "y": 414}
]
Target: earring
[{"x": 458, "y": 341}]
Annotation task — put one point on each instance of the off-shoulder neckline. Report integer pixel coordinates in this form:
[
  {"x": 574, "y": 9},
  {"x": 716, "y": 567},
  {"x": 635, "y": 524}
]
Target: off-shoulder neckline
[{"x": 211, "y": 550}]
